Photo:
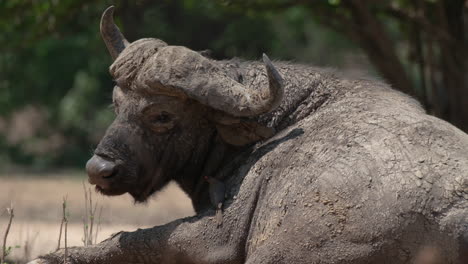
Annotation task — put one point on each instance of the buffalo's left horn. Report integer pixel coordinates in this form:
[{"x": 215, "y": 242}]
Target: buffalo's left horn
[
  {"x": 207, "y": 82},
  {"x": 111, "y": 34}
]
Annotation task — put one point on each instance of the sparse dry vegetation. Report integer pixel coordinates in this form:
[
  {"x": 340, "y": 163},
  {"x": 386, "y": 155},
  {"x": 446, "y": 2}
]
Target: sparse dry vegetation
[
  {"x": 90, "y": 238},
  {"x": 62, "y": 224},
  {"x": 6, "y": 250},
  {"x": 38, "y": 215}
]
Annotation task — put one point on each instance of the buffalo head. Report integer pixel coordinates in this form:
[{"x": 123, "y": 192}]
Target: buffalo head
[{"x": 170, "y": 103}]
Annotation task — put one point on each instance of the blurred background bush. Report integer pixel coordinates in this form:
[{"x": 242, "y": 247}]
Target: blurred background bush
[{"x": 55, "y": 88}]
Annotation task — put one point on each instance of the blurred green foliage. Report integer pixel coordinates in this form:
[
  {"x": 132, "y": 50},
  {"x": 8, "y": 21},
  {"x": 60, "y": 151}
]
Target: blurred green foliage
[{"x": 52, "y": 56}]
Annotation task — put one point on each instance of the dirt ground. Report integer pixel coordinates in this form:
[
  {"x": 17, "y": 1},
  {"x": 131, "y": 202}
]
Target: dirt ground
[{"x": 37, "y": 202}]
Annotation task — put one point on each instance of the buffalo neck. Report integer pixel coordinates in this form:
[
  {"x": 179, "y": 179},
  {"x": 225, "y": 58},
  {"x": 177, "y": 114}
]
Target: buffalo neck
[{"x": 195, "y": 183}]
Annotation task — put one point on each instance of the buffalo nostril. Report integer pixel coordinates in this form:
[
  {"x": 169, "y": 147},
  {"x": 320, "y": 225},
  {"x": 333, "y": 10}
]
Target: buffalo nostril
[{"x": 99, "y": 168}]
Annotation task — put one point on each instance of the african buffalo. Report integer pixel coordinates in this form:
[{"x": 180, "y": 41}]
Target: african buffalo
[{"x": 318, "y": 167}]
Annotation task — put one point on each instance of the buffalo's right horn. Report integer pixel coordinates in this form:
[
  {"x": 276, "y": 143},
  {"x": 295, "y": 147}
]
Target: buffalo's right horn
[
  {"x": 242, "y": 100},
  {"x": 275, "y": 87},
  {"x": 111, "y": 34}
]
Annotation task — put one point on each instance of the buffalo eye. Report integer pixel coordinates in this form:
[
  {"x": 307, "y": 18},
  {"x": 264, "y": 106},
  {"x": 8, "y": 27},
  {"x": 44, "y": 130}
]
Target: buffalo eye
[
  {"x": 160, "y": 122},
  {"x": 161, "y": 118}
]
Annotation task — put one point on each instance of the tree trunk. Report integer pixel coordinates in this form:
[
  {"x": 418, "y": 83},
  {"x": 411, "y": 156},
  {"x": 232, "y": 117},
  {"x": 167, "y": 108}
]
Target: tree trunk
[
  {"x": 454, "y": 63},
  {"x": 379, "y": 47}
]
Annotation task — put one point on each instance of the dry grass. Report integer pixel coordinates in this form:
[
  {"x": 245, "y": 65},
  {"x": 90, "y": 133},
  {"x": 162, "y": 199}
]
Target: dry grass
[{"x": 38, "y": 211}]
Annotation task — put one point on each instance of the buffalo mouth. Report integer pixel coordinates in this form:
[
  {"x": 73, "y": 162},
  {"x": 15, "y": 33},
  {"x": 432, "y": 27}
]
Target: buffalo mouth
[
  {"x": 109, "y": 191},
  {"x": 134, "y": 180},
  {"x": 109, "y": 185}
]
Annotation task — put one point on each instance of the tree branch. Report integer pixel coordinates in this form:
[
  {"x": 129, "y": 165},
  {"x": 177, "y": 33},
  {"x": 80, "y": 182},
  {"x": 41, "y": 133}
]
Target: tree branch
[{"x": 420, "y": 20}]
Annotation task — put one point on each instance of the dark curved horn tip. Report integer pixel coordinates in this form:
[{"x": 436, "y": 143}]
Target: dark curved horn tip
[
  {"x": 107, "y": 16},
  {"x": 109, "y": 11},
  {"x": 271, "y": 71},
  {"x": 111, "y": 34}
]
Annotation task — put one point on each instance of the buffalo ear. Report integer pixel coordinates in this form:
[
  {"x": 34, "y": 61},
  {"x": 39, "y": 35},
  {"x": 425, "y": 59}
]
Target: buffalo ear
[{"x": 243, "y": 132}]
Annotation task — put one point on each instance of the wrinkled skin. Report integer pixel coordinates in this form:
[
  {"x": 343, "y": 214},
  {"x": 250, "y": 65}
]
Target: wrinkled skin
[{"x": 356, "y": 173}]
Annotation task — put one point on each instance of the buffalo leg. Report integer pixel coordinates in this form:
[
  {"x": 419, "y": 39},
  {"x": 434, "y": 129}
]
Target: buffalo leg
[{"x": 190, "y": 240}]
